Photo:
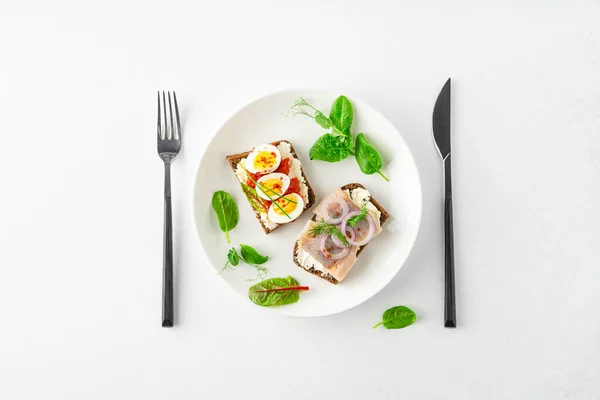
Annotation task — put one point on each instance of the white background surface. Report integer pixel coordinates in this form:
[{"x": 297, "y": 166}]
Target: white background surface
[{"x": 81, "y": 204}]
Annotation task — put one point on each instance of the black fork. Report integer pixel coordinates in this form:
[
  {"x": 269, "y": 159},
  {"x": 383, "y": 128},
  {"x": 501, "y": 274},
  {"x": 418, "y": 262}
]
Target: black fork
[{"x": 169, "y": 144}]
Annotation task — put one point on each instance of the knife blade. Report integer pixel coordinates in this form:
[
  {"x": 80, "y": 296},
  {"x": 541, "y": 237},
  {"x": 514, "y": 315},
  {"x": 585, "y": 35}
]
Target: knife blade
[
  {"x": 441, "y": 136},
  {"x": 441, "y": 121}
]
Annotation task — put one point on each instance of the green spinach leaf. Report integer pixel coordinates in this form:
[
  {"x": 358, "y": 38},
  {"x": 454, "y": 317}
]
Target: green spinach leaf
[
  {"x": 341, "y": 115},
  {"x": 367, "y": 157},
  {"x": 252, "y": 256},
  {"x": 329, "y": 148},
  {"x": 397, "y": 317},
  {"x": 276, "y": 292},
  {"x": 226, "y": 210},
  {"x": 322, "y": 120}
]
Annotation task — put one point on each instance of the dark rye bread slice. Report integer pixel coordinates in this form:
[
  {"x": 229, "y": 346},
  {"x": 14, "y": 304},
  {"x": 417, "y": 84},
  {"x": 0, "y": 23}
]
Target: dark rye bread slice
[
  {"x": 233, "y": 161},
  {"x": 384, "y": 217}
]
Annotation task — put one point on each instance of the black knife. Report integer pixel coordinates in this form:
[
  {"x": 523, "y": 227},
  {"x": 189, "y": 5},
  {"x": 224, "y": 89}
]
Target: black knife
[{"x": 441, "y": 136}]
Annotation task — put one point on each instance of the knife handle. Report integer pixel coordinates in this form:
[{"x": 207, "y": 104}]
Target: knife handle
[
  {"x": 450, "y": 298},
  {"x": 449, "y": 295}
]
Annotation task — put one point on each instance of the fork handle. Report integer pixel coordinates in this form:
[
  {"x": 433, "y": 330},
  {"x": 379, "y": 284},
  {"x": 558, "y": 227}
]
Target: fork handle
[{"x": 167, "y": 293}]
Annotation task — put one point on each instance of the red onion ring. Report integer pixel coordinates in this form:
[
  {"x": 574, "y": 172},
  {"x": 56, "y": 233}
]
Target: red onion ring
[
  {"x": 350, "y": 234},
  {"x": 338, "y": 256},
  {"x": 325, "y": 210},
  {"x": 369, "y": 234}
]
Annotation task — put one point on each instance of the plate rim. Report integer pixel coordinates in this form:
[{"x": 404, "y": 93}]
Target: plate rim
[{"x": 238, "y": 110}]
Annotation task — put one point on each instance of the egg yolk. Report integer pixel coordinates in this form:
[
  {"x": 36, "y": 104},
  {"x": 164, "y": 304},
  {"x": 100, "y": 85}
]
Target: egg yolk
[
  {"x": 272, "y": 185},
  {"x": 288, "y": 206},
  {"x": 265, "y": 160}
]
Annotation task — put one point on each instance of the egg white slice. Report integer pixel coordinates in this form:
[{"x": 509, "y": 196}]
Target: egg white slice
[
  {"x": 270, "y": 181},
  {"x": 293, "y": 210}
]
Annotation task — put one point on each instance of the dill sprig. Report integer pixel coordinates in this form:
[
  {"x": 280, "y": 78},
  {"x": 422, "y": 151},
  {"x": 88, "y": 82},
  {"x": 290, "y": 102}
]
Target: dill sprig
[
  {"x": 355, "y": 219},
  {"x": 324, "y": 228}
]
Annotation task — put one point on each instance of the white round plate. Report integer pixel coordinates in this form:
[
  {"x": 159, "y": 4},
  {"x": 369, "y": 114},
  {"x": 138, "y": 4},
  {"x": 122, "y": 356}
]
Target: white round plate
[{"x": 263, "y": 121}]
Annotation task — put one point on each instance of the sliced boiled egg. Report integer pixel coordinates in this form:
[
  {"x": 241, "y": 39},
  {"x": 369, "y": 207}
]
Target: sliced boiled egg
[
  {"x": 272, "y": 185},
  {"x": 292, "y": 208},
  {"x": 263, "y": 159}
]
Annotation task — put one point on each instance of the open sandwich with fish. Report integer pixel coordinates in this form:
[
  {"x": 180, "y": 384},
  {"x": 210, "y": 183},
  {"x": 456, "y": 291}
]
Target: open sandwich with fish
[{"x": 344, "y": 223}]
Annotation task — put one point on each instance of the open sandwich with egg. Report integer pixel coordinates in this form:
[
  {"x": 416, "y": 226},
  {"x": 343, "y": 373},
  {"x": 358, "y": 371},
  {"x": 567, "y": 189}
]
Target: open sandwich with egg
[
  {"x": 344, "y": 223},
  {"x": 274, "y": 183}
]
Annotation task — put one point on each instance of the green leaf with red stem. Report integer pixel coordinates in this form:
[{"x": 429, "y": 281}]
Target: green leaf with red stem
[
  {"x": 283, "y": 289},
  {"x": 276, "y": 292}
]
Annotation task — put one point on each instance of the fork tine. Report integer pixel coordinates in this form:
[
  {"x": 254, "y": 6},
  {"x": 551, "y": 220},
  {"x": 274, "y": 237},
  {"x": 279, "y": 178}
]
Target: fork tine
[
  {"x": 171, "y": 117},
  {"x": 166, "y": 136},
  {"x": 158, "y": 123},
  {"x": 177, "y": 116}
]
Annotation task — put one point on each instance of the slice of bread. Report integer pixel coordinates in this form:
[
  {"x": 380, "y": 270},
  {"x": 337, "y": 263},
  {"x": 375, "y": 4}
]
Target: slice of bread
[
  {"x": 384, "y": 217},
  {"x": 234, "y": 160}
]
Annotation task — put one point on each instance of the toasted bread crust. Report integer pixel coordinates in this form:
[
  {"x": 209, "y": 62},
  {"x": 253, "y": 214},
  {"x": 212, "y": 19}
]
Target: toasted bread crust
[
  {"x": 313, "y": 271},
  {"x": 384, "y": 217},
  {"x": 233, "y": 161}
]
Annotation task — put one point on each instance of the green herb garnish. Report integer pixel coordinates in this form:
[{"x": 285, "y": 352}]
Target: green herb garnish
[
  {"x": 233, "y": 260},
  {"x": 265, "y": 189},
  {"x": 397, "y": 317},
  {"x": 253, "y": 198},
  {"x": 322, "y": 119},
  {"x": 330, "y": 148},
  {"x": 276, "y": 292},
  {"x": 355, "y": 219},
  {"x": 341, "y": 115},
  {"x": 249, "y": 256},
  {"x": 302, "y": 107},
  {"x": 338, "y": 144},
  {"x": 270, "y": 198},
  {"x": 226, "y": 210},
  {"x": 367, "y": 157},
  {"x": 252, "y": 256},
  {"x": 324, "y": 228}
]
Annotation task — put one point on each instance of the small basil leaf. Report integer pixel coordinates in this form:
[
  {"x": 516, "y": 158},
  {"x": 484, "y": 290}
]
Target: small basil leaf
[
  {"x": 397, "y": 318},
  {"x": 329, "y": 148},
  {"x": 275, "y": 292},
  {"x": 367, "y": 157},
  {"x": 226, "y": 210},
  {"x": 233, "y": 257},
  {"x": 322, "y": 120},
  {"x": 252, "y": 256},
  {"x": 341, "y": 115}
]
